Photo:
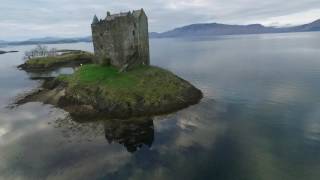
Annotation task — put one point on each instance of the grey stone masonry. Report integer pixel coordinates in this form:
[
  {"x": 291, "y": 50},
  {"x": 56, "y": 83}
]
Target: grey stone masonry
[{"x": 121, "y": 40}]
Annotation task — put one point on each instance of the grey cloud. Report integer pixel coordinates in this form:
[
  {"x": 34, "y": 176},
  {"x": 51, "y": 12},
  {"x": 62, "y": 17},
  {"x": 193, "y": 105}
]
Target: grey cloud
[{"x": 25, "y": 19}]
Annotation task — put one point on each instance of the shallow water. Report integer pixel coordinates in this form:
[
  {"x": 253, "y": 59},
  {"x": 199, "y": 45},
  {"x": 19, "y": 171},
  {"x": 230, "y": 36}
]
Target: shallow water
[{"x": 259, "y": 118}]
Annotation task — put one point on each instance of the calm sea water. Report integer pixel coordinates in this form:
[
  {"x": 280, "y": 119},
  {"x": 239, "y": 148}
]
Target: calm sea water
[{"x": 259, "y": 119}]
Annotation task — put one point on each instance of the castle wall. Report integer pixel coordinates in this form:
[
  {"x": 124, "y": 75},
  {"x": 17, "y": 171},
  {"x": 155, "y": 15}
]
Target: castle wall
[
  {"x": 122, "y": 41},
  {"x": 143, "y": 40}
]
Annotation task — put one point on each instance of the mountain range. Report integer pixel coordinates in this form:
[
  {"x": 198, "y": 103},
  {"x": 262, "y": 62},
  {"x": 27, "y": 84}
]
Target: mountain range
[
  {"x": 46, "y": 40},
  {"x": 208, "y": 29},
  {"x": 215, "y": 29}
]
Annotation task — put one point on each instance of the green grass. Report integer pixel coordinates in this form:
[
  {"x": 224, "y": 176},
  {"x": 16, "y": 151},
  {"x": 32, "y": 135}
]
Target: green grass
[
  {"x": 100, "y": 75},
  {"x": 154, "y": 84},
  {"x": 52, "y": 60}
]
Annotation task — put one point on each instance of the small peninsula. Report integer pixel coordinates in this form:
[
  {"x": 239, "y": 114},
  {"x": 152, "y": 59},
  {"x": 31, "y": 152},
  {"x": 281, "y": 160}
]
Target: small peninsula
[{"x": 118, "y": 80}]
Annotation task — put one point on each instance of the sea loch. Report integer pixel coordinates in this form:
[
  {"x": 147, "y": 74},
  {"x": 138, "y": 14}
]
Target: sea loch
[{"x": 259, "y": 118}]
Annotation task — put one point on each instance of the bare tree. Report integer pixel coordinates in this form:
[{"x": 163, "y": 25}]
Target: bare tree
[
  {"x": 52, "y": 52},
  {"x": 40, "y": 51}
]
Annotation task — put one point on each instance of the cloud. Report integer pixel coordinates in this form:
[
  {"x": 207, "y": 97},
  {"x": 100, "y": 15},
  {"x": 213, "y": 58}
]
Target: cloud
[
  {"x": 293, "y": 19},
  {"x": 34, "y": 18}
]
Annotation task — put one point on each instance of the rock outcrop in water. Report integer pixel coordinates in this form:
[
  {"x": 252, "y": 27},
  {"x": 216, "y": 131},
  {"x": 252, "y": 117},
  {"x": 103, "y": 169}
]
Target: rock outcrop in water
[{"x": 145, "y": 91}]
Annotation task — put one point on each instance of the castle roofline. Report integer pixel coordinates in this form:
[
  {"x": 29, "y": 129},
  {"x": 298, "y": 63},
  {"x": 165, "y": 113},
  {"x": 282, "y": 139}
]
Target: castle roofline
[
  {"x": 113, "y": 16},
  {"x": 110, "y": 17}
]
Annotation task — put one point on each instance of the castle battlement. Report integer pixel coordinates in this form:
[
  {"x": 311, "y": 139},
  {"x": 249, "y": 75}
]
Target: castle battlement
[{"x": 121, "y": 40}]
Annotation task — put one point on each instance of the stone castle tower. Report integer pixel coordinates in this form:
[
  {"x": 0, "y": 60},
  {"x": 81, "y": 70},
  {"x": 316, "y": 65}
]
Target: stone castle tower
[{"x": 121, "y": 40}]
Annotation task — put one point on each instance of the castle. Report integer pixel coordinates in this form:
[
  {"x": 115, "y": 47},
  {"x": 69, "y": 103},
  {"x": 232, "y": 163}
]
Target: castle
[{"x": 121, "y": 40}]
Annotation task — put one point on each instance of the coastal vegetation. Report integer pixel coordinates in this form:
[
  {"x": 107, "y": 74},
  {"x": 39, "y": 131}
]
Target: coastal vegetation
[{"x": 40, "y": 59}]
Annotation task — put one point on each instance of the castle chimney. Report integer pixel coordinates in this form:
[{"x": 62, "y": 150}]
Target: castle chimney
[{"x": 108, "y": 13}]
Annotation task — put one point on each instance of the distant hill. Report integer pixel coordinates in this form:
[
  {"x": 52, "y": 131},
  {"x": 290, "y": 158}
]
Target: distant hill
[
  {"x": 47, "y": 40},
  {"x": 209, "y": 29},
  {"x": 154, "y": 34},
  {"x": 215, "y": 29},
  {"x": 3, "y": 43},
  {"x": 314, "y": 26}
]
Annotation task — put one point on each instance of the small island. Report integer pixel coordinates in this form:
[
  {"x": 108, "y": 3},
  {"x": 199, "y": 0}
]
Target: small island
[
  {"x": 57, "y": 59},
  {"x": 5, "y": 52},
  {"x": 97, "y": 91},
  {"x": 118, "y": 81}
]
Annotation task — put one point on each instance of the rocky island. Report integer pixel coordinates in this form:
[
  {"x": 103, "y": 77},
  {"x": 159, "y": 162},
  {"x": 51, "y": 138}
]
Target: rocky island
[
  {"x": 4, "y": 52},
  {"x": 66, "y": 58},
  {"x": 120, "y": 83}
]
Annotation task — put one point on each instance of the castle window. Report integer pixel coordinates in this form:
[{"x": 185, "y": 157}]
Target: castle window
[
  {"x": 135, "y": 25},
  {"x": 133, "y": 33}
]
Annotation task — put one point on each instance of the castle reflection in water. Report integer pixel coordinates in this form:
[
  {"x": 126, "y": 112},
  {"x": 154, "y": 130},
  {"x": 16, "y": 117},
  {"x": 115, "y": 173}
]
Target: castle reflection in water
[{"x": 133, "y": 133}]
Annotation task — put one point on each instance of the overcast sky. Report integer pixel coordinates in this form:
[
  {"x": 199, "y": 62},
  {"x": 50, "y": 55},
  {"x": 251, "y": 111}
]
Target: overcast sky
[{"x": 23, "y": 19}]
